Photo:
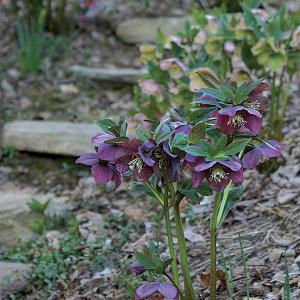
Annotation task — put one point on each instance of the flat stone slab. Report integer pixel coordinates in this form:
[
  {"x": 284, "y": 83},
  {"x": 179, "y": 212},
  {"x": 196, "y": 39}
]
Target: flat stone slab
[
  {"x": 52, "y": 137},
  {"x": 139, "y": 30},
  {"x": 15, "y": 215},
  {"x": 120, "y": 75}
]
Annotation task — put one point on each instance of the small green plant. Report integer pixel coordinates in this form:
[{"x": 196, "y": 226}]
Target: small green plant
[
  {"x": 30, "y": 45},
  {"x": 57, "y": 19},
  {"x": 43, "y": 221},
  {"x": 227, "y": 266},
  {"x": 287, "y": 286},
  {"x": 245, "y": 268},
  {"x": 8, "y": 153}
]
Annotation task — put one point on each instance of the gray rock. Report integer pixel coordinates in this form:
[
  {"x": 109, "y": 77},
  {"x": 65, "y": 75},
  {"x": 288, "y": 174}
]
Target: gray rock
[
  {"x": 15, "y": 215},
  {"x": 119, "y": 75},
  {"x": 49, "y": 137},
  {"x": 92, "y": 227},
  {"x": 286, "y": 195},
  {"x": 138, "y": 30},
  {"x": 12, "y": 277}
]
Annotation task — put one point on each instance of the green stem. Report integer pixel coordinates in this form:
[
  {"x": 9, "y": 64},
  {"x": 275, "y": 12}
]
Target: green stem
[
  {"x": 286, "y": 98},
  {"x": 188, "y": 287},
  {"x": 273, "y": 101},
  {"x": 213, "y": 247},
  {"x": 170, "y": 239}
]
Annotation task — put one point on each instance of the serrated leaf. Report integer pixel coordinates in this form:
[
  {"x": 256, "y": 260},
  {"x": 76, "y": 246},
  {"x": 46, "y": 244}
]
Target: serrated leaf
[
  {"x": 236, "y": 146},
  {"x": 197, "y": 133},
  {"x": 214, "y": 93},
  {"x": 146, "y": 261},
  {"x": 106, "y": 124},
  {"x": 142, "y": 133},
  {"x": 220, "y": 144},
  {"x": 195, "y": 150},
  {"x": 204, "y": 190}
]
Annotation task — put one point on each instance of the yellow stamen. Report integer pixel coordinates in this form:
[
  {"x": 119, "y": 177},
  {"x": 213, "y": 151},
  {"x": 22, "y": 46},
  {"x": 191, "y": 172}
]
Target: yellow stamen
[{"x": 218, "y": 174}]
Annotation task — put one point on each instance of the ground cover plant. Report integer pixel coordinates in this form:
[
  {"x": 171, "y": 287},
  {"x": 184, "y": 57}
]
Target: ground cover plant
[
  {"x": 255, "y": 43},
  {"x": 172, "y": 160}
]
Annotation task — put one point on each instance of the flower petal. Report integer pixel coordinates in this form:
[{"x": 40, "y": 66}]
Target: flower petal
[
  {"x": 236, "y": 176},
  {"x": 197, "y": 178},
  {"x": 234, "y": 165},
  {"x": 88, "y": 159},
  {"x": 168, "y": 290},
  {"x": 205, "y": 166},
  {"x": 99, "y": 138},
  {"x": 251, "y": 159},
  {"x": 102, "y": 174},
  {"x": 147, "y": 289}
]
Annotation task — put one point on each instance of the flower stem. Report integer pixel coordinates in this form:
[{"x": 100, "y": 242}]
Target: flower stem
[
  {"x": 188, "y": 287},
  {"x": 213, "y": 247},
  {"x": 170, "y": 239}
]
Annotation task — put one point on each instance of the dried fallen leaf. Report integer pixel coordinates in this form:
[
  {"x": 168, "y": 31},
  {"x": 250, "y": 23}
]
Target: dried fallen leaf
[{"x": 204, "y": 279}]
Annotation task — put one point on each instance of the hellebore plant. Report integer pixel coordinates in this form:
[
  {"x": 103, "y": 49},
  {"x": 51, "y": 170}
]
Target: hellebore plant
[
  {"x": 253, "y": 44},
  {"x": 207, "y": 151}
]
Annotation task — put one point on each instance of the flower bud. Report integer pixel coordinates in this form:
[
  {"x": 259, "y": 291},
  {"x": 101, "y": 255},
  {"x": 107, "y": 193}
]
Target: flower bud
[{"x": 137, "y": 268}]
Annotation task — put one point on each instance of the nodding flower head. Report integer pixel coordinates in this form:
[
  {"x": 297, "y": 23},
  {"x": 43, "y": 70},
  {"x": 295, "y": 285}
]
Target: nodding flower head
[
  {"x": 157, "y": 291},
  {"x": 261, "y": 153},
  {"x": 218, "y": 173},
  {"x": 137, "y": 268},
  {"x": 239, "y": 118},
  {"x": 174, "y": 66}
]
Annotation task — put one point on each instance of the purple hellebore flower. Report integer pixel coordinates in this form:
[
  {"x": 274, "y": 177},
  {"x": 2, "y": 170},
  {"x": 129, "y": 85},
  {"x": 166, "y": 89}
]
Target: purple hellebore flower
[
  {"x": 120, "y": 153},
  {"x": 157, "y": 291},
  {"x": 239, "y": 118},
  {"x": 102, "y": 171},
  {"x": 137, "y": 268},
  {"x": 256, "y": 100},
  {"x": 264, "y": 151},
  {"x": 218, "y": 173},
  {"x": 145, "y": 151}
]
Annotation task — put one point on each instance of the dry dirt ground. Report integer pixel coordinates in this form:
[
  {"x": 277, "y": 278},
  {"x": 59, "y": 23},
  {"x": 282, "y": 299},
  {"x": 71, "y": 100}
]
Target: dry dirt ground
[{"x": 267, "y": 219}]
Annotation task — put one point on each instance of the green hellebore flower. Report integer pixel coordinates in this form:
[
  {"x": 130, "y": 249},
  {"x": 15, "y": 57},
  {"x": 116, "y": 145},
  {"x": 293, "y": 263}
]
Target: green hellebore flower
[{"x": 268, "y": 55}]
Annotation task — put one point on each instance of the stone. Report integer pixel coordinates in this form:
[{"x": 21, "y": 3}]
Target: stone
[
  {"x": 12, "y": 277},
  {"x": 285, "y": 195},
  {"x": 119, "y": 75},
  {"x": 15, "y": 215},
  {"x": 92, "y": 225},
  {"x": 52, "y": 137},
  {"x": 69, "y": 89},
  {"x": 139, "y": 30}
]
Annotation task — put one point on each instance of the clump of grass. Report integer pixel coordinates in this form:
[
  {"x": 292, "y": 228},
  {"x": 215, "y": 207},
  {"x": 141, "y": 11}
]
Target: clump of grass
[
  {"x": 227, "y": 266},
  {"x": 30, "y": 45},
  {"x": 245, "y": 268},
  {"x": 287, "y": 287}
]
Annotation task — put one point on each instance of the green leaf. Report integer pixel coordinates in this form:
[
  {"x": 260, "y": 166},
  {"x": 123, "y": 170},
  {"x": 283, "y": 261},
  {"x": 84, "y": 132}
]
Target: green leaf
[
  {"x": 214, "y": 93},
  {"x": 204, "y": 190},
  {"x": 197, "y": 133},
  {"x": 146, "y": 261},
  {"x": 179, "y": 141},
  {"x": 230, "y": 197},
  {"x": 153, "y": 192},
  {"x": 142, "y": 133},
  {"x": 220, "y": 144},
  {"x": 195, "y": 150},
  {"x": 106, "y": 124},
  {"x": 236, "y": 146}
]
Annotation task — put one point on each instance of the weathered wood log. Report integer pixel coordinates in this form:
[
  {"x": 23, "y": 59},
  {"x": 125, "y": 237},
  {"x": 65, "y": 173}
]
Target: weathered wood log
[
  {"x": 52, "y": 137},
  {"x": 138, "y": 30},
  {"x": 123, "y": 75}
]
